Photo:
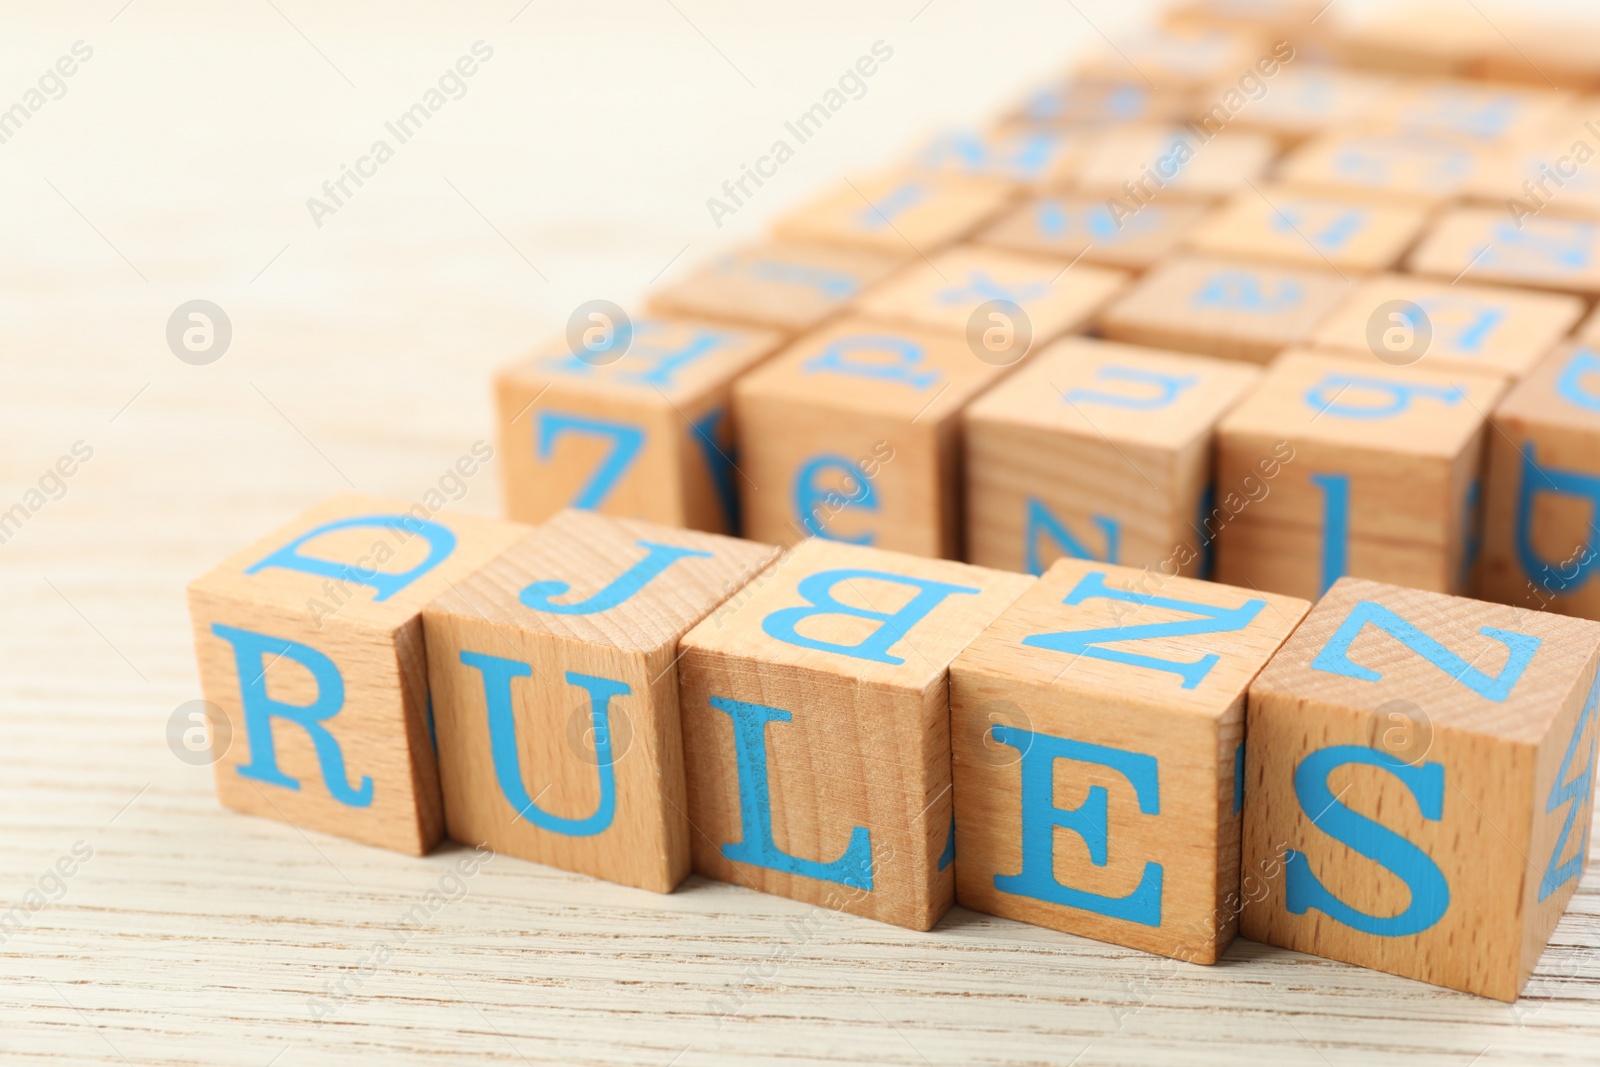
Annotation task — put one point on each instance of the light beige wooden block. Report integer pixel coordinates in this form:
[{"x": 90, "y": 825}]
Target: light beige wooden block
[
  {"x": 853, "y": 433},
  {"x": 959, "y": 291},
  {"x": 638, "y": 425},
  {"x": 1273, "y": 19},
  {"x": 1274, "y": 224},
  {"x": 1542, "y": 493},
  {"x": 1540, "y": 51},
  {"x": 786, "y": 286},
  {"x": 1374, "y": 459},
  {"x": 1097, "y": 730},
  {"x": 1098, "y": 451},
  {"x": 1176, "y": 59},
  {"x": 1305, "y": 98},
  {"x": 906, "y": 212},
  {"x": 1028, "y": 156},
  {"x": 1417, "y": 38},
  {"x": 310, "y": 642},
  {"x": 1073, "y": 104},
  {"x": 1136, "y": 165},
  {"x": 1419, "y": 779},
  {"x": 1475, "y": 111},
  {"x": 1224, "y": 307},
  {"x": 555, "y": 692},
  {"x": 1403, "y": 320},
  {"x": 1544, "y": 172},
  {"x": 816, "y": 727},
  {"x": 1088, "y": 229},
  {"x": 1425, "y": 169},
  {"x": 1485, "y": 245}
]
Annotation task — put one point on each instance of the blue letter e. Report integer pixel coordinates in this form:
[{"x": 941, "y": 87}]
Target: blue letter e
[
  {"x": 818, "y": 588},
  {"x": 250, "y": 652},
  {"x": 1430, "y": 893},
  {"x": 441, "y": 542}
]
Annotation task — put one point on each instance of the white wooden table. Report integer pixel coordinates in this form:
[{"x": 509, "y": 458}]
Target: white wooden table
[{"x": 176, "y": 166}]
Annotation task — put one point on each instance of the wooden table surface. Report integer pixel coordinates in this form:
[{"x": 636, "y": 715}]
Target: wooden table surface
[{"x": 175, "y": 165}]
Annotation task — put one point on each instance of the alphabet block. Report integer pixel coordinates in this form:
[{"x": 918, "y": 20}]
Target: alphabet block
[
  {"x": 1302, "y": 101},
  {"x": 904, "y": 213},
  {"x": 637, "y": 424},
  {"x": 1346, "y": 233},
  {"x": 1096, "y": 733},
  {"x": 853, "y": 433},
  {"x": 1542, "y": 501},
  {"x": 1222, "y": 307},
  {"x": 1087, "y": 228},
  {"x": 1488, "y": 245},
  {"x": 1379, "y": 466},
  {"x": 555, "y": 691},
  {"x": 816, "y": 728},
  {"x": 950, "y": 290},
  {"x": 1401, "y": 166},
  {"x": 1419, "y": 778},
  {"x": 1072, "y": 104},
  {"x": 1137, "y": 165},
  {"x": 1097, "y": 451},
  {"x": 1039, "y": 157},
  {"x": 310, "y": 642},
  {"x": 1490, "y": 115},
  {"x": 1404, "y": 320},
  {"x": 786, "y": 286}
]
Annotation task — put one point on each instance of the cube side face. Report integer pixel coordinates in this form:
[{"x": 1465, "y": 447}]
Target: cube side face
[
  {"x": 560, "y": 751},
  {"x": 1402, "y": 746},
  {"x": 1097, "y": 731}
]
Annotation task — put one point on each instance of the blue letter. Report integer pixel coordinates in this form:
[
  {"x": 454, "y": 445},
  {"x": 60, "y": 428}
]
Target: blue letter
[
  {"x": 441, "y": 542},
  {"x": 249, "y": 651},
  {"x": 1164, "y": 389},
  {"x": 1041, "y": 817},
  {"x": 626, "y": 441},
  {"x": 1575, "y": 794},
  {"x": 1212, "y": 620},
  {"x": 1040, "y": 520},
  {"x": 1571, "y": 384},
  {"x": 1327, "y": 396},
  {"x": 817, "y": 589},
  {"x": 539, "y": 595},
  {"x": 1430, "y": 893},
  {"x": 810, "y": 498},
  {"x": 755, "y": 845},
  {"x": 497, "y": 674},
  {"x": 906, "y": 352},
  {"x": 1568, "y": 575},
  {"x": 1335, "y": 526},
  {"x": 1335, "y": 655}
]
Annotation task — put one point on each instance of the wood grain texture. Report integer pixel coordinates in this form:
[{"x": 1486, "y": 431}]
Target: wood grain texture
[
  {"x": 1147, "y": 725},
  {"x": 1472, "y": 748},
  {"x": 198, "y": 936}
]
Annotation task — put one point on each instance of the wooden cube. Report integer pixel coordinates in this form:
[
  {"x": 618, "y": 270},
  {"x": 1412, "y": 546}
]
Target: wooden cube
[
  {"x": 1377, "y": 466},
  {"x": 1400, "y": 166},
  {"x": 1543, "y": 172},
  {"x": 907, "y": 212},
  {"x": 1179, "y": 59},
  {"x": 786, "y": 286},
  {"x": 1224, "y": 307},
  {"x": 638, "y": 427},
  {"x": 816, "y": 728},
  {"x": 1431, "y": 38},
  {"x": 1356, "y": 235},
  {"x": 1491, "y": 115},
  {"x": 853, "y": 434},
  {"x": 1086, "y": 228},
  {"x": 1136, "y": 165},
  {"x": 955, "y": 290},
  {"x": 310, "y": 642},
  {"x": 1039, "y": 157},
  {"x": 1486, "y": 245},
  {"x": 1419, "y": 777},
  {"x": 1402, "y": 320},
  {"x": 1073, "y": 104},
  {"x": 1542, "y": 499},
  {"x": 1096, "y": 730},
  {"x": 1302, "y": 101},
  {"x": 555, "y": 691},
  {"x": 1098, "y": 451}
]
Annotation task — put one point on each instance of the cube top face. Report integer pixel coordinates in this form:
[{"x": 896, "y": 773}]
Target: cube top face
[
  {"x": 1403, "y": 320},
  {"x": 786, "y": 286},
  {"x": 1462, "y": 665},
  {"x": 1428, "y": 169},
  {"x": 1077, "y": 104},
  {"x": 1031, "y": 156},
  {"x": 897, "y": 213},
  {"x": 1276, "y": 224},
  {"x": 1224, "y": 307},
  {"x": 860, "y": 613},
  {"x": 1562, "y": 391},
  {"x": 1312, "y": 399},
  {"x": 651, "y": 358},
  {"x": 589, "y": 578},
  {"x": 1302, "y": 100},
  {"x": 1174, "y": 162},
  {"x": 1487, "y": 245},
  {"x": 888, "y": 372},
  {"x": 1134, "y": 638},
  {"x": 357, "y": 560},
  {"x": 1472, "y": 111},
  {"x": 1532, "y": 160},
  {"x": 1177, "y": 58},
  {"x": 951, "y": 291},
  {"x": 1101, "y": 390},
  {"x": 1075, "y": 227}
]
